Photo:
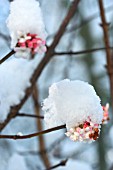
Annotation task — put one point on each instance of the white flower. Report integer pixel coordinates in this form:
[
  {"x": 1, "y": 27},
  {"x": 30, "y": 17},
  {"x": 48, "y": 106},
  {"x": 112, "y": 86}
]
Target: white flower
[
  {"x": 76, "y": 104},
  {"x": 22, "y": 52},
  {"x": 26, "y": 26}
]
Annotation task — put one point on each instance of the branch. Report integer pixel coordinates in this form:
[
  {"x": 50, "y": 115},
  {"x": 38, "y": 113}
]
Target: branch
[
  {"x": 84, "y": 22},
  {"x": 41, "y": 141},
  {"x": 73, "y": 28},
  {"x": 105, "y": 25},
  {"x": 15, "y": 137},
  {"x": 43, "y": 63},
  {"x": 107, "y": 44},
  {"x": 62, "y": 163},
  {"x": 81, "y": 52},
  {"x": 87, "y": 20},
  {"x": 29, "y": 115},
  {"x": 61, "y": 53},
  {"x": 7, "y": 56}
]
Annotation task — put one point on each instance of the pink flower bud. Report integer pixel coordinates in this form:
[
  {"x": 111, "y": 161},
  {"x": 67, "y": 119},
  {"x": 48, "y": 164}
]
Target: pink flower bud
[
  {"x": 34, "y": 40},
  {"x": 30, "y": 44},
  {"x": 21, "y": 44},
  {"x": 35, "y": 45}
]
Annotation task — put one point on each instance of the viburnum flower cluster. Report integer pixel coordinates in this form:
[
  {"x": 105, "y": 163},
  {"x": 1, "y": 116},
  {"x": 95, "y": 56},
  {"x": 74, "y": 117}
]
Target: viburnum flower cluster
[
  {"x": 27, "y": 28},
  {"x": 88, "y": 131},
  {"x": 76, "y": 104}
]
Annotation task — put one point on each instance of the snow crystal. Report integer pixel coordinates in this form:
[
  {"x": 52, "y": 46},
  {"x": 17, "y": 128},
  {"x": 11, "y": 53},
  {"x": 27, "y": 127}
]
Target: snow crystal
[
  {"x": 14, "y": 79},
  {"x": 19, "y": 134},
  {"x": 71, "y": 103},
  {"x": 25, "y": 18}
]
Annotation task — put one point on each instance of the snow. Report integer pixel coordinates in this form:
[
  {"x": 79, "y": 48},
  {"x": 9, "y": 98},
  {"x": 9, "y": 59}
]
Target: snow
[
  {"x": 70, "y": 103},
  {"x": 13, "y": 82},
  {"x": 25, "y": 17},
  {"x": 76, "y": 68}
]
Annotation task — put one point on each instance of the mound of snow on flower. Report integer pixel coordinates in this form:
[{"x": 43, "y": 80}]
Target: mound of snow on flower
[
  {"x": 25, "y": 16},
  {"x": 71, "y": 103}
]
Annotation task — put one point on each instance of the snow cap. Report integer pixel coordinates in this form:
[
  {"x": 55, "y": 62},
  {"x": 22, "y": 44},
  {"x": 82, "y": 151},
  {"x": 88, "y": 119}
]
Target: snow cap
[
  {"x": 25, "y": 23},
  {"x": 73, "y": 103}
]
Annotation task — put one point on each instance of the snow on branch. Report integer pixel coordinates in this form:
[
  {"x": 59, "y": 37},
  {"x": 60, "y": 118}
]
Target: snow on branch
[
  {"x": 73, "y": 105},
  {"x": 21, "y": 136}
]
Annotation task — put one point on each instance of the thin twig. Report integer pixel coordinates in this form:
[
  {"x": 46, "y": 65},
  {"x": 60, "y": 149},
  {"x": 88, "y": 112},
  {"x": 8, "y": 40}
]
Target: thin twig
[
  {"x": 87, "y": 20},
  {"x": 29, "y": 115},
  {"x": 15, "y": 137},
  {"x": 105, "y": 26},
  {"x": 73, "y": 28},
  {"x": 62, "y": 163},
  {"x": 81, "y": 52},
  {"x": 107, "y": 44},
  {"x": 43, "y": 63},
  {"x": 84, "y": 22},
  {"x": 7, "y": 56}
]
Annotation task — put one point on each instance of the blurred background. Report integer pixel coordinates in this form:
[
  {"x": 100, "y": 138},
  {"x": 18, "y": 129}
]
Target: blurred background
[{"x": 83, "y": 32}]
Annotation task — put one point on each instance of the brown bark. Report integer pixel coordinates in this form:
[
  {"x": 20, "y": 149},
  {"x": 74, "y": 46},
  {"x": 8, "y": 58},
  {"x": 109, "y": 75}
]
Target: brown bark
[
  {"x": 15, "y": 137},
  {"x": 41, "y": 140},
  {"x": 105, "y": 26}
]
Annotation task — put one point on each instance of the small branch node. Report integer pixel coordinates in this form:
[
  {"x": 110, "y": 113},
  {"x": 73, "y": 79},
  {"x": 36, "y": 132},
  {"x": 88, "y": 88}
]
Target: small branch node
[{"x": 107, "y": 24}]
